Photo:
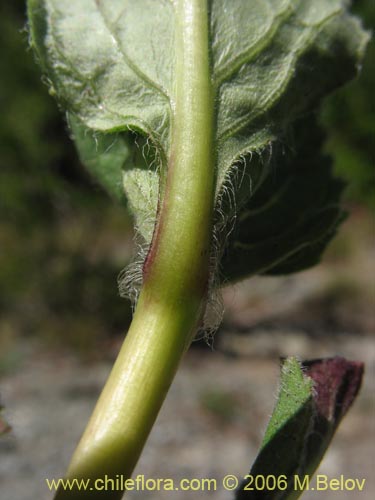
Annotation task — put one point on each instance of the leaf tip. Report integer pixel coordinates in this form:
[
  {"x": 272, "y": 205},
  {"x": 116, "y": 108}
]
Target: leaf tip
[{"x": 337, "y": 382}]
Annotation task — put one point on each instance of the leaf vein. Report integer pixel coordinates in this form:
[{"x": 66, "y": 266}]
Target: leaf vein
[
  {"x": 232, "y": 67},
  {"x": 146, "y": 80}
]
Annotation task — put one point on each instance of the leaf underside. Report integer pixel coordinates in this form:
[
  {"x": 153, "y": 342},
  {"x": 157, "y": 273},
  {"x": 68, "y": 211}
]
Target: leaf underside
[
  {"x": 286, "y": 224},
  {"x": 111, "y": 64}
]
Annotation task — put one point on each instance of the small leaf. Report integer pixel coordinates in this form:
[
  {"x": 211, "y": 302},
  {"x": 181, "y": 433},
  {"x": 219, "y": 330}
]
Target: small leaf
[
  {"x": 103, "y": 155},
  {"x": 141, "y": 187},
  {"x": 312, "y": 401}
]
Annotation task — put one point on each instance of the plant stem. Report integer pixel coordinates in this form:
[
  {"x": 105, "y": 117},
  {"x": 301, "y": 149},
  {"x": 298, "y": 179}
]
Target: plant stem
[{"x": 176, "y": 272}]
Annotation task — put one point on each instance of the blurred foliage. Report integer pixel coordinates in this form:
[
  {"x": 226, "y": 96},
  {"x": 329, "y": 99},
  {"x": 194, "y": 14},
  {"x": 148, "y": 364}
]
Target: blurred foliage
[
  {"x": 62, "y": 243},
  {"x": 349, "y": 118},
  {"x": 220, "y": 404}
]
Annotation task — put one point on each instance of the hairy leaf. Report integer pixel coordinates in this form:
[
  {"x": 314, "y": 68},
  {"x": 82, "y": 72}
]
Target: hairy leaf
[
  {"x": 112, "y": 65},
  {"x": 312, "y": 401},
  {"x": 289, "y": 220}
]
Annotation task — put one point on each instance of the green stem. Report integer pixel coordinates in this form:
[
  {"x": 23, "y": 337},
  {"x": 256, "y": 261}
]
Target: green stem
[{"x": 173, "y": 295}]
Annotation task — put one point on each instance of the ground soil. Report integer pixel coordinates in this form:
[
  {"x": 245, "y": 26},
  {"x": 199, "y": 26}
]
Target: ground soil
[{"x": 212, "y": 422}]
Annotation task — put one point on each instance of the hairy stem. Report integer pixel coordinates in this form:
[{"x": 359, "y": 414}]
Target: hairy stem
[{"x": 173, "y": 295}]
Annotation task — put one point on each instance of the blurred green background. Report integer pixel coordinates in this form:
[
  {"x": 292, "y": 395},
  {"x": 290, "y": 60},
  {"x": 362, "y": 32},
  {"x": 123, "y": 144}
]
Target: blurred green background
[{"x": 62, "y": 241}]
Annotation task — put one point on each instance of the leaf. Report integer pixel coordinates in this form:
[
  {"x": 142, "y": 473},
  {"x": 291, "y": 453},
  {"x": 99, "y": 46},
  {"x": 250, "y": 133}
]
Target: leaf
[
  {"x": 312, "y": 401},
  {"x": 286, "y": 224},
  {"x": 112, "y": 65}
]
